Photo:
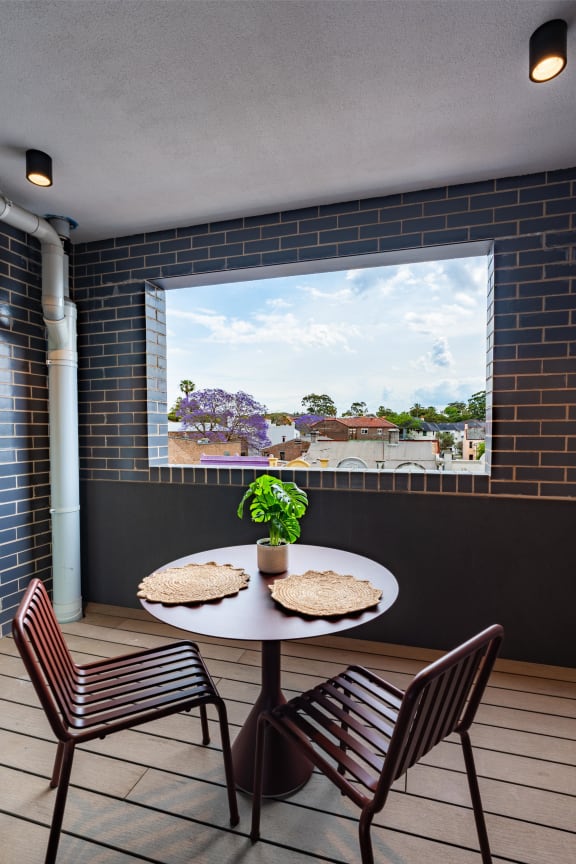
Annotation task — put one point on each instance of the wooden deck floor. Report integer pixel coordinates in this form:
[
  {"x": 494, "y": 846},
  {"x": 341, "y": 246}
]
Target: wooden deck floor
[{"x": 156, "y": 795}]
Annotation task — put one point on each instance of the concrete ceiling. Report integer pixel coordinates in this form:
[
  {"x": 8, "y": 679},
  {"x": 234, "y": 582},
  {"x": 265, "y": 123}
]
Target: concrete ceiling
[{"x": 160, "y": 113}]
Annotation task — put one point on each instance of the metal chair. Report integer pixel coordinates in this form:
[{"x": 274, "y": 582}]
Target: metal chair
[
  {"x": 357, "y": 725},
  {"x": 84, "y": 702}
]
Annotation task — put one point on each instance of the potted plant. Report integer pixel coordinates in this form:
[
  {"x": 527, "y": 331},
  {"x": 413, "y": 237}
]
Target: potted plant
[{"x": 281, "y": 504}]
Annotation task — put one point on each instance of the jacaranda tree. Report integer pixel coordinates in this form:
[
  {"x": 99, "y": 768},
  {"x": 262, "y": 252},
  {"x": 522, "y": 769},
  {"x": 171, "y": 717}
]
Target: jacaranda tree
[{"x": 221, "y": 416}]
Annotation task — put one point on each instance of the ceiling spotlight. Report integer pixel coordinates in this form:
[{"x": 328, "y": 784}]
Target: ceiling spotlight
[
  {"x": 38, "y": 168},
  {"x": 548, "y": 50}
]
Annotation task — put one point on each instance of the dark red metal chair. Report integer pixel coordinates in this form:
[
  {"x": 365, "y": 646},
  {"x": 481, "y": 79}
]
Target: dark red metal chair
[
  {"x": 84, "y": 702},
  {"x": 358, "y": 726}
]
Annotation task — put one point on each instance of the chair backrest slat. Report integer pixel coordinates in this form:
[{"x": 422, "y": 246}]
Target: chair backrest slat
[{"x": 41, "y": 644}]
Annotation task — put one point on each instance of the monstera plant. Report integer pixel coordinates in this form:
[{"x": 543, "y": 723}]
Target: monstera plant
[{"x": 280, "y": 504}]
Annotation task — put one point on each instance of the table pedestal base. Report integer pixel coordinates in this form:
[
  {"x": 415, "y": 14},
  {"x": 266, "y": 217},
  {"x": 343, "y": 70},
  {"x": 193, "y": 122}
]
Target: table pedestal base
[{"x": 286, "y": 770}]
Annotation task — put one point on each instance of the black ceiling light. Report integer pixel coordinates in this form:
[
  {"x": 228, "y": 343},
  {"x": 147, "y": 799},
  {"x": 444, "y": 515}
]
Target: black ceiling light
[
  {"x": 38, "y": 168},
  {"x": 548, "y": 50}
]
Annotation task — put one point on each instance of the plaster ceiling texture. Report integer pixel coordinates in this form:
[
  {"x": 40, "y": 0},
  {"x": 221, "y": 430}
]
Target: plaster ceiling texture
[{"x": 164, "y": 113}]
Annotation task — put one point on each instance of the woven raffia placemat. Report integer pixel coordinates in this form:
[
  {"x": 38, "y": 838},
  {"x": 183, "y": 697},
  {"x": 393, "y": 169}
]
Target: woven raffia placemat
[
  {"x": 194, "y": 583},
  {"x": 323, "y": 593}
]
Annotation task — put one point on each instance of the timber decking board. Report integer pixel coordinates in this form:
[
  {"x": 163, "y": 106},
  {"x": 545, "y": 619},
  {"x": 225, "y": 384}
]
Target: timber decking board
[{"x": 155, "y": 795}]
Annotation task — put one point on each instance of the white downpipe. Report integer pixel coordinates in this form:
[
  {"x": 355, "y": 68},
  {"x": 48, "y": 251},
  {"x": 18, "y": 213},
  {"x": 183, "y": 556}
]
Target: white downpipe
[{"x": 62, "y": 358}]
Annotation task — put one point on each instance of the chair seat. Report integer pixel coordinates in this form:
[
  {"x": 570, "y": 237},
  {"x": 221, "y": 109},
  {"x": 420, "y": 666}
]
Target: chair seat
[
  {"x": 345, "y": 725},
  {"x": 136, "y": 687}
]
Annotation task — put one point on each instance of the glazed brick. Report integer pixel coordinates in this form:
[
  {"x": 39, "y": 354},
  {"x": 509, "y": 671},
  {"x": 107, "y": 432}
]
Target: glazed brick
[
  {"x": 302, "y": 213},
  {"x": 509, "y": 305},
  {"x": 544, "y": 319},
  {"x": 560, "y": 334},
  {"x": 426, "y": 223},
  {"x": 533, "y": 289},
  {"x": 472, "y": 189},
  {"x": 244, "y": 261},
  {"x": 517, "y": 337},
  {"x": 339, "y": 235},
  {"x": 560, "y": 270},
  {"x": 562, "y": 205},
  {"x": 477, "y": 217},
  {"x": 546, "y": 223},
  {"x": 385, "y": 229},
  {"x": 175, "y": 245},
  {"x": 209, "y": 240},
  {"x": 323, "y": 223},
  {"x": 318, "y": 252},
  {"x": 209, "y": 266},
  {"x": 226, "y": 225},
  {"x": 449, "y": 205},
  {"x": 344, "y": 207},
  {"x": 406, "y": 241},
  {"x": 270, "y": 245},
  {"x": 544, "y": 193},
  {"x": 294, "y": 242},
  {"x": 558, "y": 490},
  {"x": 280, "y": 230},
  {"x": 402, "y": 212},
  {"x": 360, "y": 247},
  {"x": 365, "y": 217},
  {"x": 285, "y": 256},
  {"x": 491, "y": 232},
  {"x": 425, "y": 195},
  {"x": 226, "y": 250},
  {"x": 193, "y": 255},
  {"x": 242, "y": 235},
  {"x": 454, "y": 235},
  {"x": 522, "y": 181},
  {"x": 542, "y": 256}
]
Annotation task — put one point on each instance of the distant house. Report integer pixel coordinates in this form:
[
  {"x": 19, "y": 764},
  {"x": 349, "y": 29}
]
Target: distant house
[{"x": 354, "y": 429}]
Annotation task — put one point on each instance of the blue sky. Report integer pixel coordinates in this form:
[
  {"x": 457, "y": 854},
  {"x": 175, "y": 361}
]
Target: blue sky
[{"x": 382, "y": 335}]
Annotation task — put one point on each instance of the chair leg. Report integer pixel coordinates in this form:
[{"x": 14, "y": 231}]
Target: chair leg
[
  {"x": 476, "y": 799},
  {"x": 228, "y": 767},
  {"x": 204, "y": 722},
  {"x": 258, "y": 777},
  {"x": 54, "y": 780},
  {"x": 366, "y": 853},
  {"x": 65, "y": 769}
]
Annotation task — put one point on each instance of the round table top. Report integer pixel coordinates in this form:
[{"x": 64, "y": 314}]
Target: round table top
[{"x": 252, "y": 614}]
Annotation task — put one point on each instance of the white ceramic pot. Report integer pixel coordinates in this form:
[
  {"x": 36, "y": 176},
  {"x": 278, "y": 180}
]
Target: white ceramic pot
[{"x": 271, "y": 559}]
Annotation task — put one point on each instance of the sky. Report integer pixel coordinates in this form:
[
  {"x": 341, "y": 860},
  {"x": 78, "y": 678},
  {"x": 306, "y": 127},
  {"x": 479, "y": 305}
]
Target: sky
[{"x": 389, "y": 336}]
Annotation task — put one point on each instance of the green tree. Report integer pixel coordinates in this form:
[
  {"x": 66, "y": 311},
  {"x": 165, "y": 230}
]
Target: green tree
[
  {"x": 186, "y": 387},
  {"x": 477, "y": 405},
  {"x": 481, "y": 449},
  {"x": 357, "y": 409},
  {"x": 402, "y": 419},
  {"x": 279, "y": 418},
  {"x": 446, "y": 440},
  {"x": 456, "y": 411},
  {"x": 319, "y": 404}
]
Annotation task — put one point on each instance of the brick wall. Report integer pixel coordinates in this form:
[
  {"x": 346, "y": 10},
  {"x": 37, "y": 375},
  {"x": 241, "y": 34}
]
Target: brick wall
[
  {"x": 531, "y": 345},
  {"x": 25, "y": 536},
  {"x": 531, "y": 350}
]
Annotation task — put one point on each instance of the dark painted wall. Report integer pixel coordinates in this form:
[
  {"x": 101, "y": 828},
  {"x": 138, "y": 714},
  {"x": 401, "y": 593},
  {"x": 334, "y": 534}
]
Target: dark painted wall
[{"x": 461, "y": 563}]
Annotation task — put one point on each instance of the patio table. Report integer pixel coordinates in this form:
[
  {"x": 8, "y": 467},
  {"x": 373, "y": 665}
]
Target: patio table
[{"x": 253, "y": 615}]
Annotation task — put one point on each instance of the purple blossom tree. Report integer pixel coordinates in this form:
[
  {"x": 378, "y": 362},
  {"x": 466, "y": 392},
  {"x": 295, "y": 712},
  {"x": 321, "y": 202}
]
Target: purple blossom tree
[
  {"x": 221, "y": 416},
  {"x": 305, "y": 421}
]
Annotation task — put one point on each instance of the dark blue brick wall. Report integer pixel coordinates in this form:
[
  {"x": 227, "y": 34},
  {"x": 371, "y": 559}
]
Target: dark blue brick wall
[
  {"x": 25, "y": 536},
  {"x": 532, "y": 319}
]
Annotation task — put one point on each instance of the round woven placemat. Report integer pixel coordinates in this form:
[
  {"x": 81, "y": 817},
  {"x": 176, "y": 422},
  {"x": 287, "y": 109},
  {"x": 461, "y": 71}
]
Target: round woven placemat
[
  {"x": 322, "y": 593},
  {"x": 194, "y": 583}
]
